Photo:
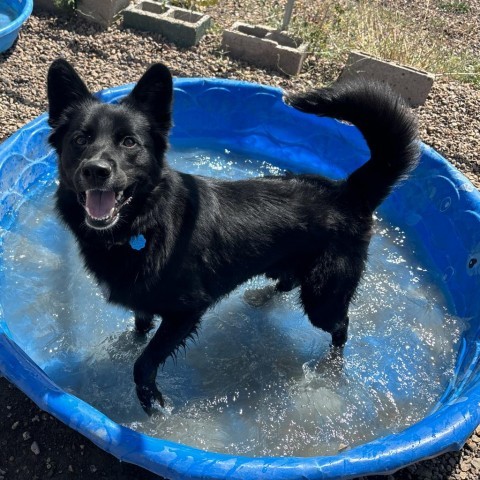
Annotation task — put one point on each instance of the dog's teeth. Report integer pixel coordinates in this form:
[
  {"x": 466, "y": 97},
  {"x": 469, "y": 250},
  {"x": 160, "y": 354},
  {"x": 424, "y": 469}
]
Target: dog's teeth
[{"x": 109, "y": 216}]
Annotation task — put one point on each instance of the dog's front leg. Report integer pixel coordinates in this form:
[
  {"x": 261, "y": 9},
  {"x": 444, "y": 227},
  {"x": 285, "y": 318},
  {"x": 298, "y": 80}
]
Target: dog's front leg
[
  {"x": 143, "y": 322},
  {"x": 172, "y": 333}
]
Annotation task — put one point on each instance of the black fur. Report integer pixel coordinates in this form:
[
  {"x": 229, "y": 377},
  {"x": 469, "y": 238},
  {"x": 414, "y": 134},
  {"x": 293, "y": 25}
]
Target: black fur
[{"x": 206, "y": 236}]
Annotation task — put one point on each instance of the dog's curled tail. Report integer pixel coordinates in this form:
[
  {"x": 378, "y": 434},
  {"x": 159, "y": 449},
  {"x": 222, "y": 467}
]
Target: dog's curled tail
[{"x": 387, "y": 125}]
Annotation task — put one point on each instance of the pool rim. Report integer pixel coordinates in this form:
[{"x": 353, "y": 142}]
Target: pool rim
[
  {"x": 14, "y": 26},
  {"x": 162, "y": 456}
]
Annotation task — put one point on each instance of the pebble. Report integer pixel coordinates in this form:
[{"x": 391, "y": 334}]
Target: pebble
[{"x": 35, "y": 448}]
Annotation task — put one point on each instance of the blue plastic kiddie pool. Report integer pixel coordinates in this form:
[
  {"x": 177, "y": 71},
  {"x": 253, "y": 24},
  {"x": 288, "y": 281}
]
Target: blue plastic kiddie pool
[
  {"x": 13, "y": 14},
  {"x": 437, "y": 208}
]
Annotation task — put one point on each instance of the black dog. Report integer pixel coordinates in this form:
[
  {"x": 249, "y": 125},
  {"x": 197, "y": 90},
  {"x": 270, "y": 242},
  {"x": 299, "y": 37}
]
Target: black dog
[{"x": 200, "y": 237}]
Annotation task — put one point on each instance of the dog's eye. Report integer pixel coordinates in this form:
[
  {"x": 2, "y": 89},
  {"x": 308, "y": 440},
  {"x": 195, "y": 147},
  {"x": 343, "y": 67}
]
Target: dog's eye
[
  {"x": 129, "y": 142},
  {"x": 80, "y": 140}
]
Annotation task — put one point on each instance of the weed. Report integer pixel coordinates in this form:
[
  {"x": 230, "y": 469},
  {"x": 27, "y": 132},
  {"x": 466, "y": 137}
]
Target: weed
[
  {"x": 456, "y": 6},
  {"x": 66, "y": 4},
  {"x": 193, "y": 4},
  {"x": 379, "y": 29}
]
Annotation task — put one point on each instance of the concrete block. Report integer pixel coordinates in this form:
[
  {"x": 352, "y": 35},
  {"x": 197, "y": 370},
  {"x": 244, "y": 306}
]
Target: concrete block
[
  {"x": 265, "y": 47},
  {"x": 413, "y": 85},
  {"x": 183, "y": 27},
  {"x": 101, "y": 11}
]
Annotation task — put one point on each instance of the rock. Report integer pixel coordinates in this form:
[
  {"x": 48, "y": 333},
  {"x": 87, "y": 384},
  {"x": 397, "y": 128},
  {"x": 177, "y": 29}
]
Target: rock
[{"x": 34, "y": 448}]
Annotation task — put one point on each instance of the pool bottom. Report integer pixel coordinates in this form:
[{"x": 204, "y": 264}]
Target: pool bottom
[{"x": 259, "y": 381}]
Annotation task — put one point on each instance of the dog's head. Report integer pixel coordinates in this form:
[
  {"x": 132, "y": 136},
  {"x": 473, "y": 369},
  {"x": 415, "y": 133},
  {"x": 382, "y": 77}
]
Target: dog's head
[{"x": 110, "y": 155}]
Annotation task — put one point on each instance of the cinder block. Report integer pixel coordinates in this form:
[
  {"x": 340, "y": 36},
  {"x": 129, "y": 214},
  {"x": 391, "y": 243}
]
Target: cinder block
[
  {"x": 101, "y": 11},
  {"x": 178, "y": 25},
  {"x": 265, "y": 47},
  {"x": 413, "y": 85}
]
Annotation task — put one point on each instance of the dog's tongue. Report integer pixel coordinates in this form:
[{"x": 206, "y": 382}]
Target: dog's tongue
[{"x": 99, "y": 203}]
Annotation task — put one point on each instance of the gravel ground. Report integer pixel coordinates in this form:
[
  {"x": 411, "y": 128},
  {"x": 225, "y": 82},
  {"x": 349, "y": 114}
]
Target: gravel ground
[{"x": 33, "y": 445}]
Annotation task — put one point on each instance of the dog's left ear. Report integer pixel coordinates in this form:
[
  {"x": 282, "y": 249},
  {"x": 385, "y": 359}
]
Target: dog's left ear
[
  {"x": 153, "y": 94},
  {"x": 65, "y": 88}
]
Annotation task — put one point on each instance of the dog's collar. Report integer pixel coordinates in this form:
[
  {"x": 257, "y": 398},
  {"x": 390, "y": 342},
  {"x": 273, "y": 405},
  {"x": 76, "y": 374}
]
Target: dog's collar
[{"x": 138, "y": 242}]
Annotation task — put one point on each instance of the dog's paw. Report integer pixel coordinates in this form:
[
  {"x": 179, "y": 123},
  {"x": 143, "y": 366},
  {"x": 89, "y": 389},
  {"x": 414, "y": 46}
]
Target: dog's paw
[
  {"x": 260, "y": 296},
  {"x": 151, "y": 399}
]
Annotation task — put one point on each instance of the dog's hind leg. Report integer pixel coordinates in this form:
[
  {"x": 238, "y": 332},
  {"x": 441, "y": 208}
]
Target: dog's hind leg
[
  {"x": 326, "y": 293},
  {"x": 172, "y": 333},
  {"x": 328, "y": 313}
]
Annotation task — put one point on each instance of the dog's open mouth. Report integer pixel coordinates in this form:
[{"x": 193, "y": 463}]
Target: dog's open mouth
[{"x": 103, "y": 207}]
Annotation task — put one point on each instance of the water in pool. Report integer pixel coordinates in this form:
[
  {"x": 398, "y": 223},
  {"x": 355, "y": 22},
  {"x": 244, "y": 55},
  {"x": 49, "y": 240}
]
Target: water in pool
[{"x": 258, "y": 381}]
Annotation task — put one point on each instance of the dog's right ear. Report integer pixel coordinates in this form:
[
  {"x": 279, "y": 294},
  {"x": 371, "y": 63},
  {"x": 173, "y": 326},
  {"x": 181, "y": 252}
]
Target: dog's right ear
[{"x": 64, "y": 89}]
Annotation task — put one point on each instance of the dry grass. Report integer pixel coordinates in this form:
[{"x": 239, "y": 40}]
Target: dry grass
[{"x": 387, "y": 30}]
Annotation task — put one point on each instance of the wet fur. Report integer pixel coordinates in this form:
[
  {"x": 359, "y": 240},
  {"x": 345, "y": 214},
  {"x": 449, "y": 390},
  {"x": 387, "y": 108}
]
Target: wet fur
[{"x": 205, "y": 236}]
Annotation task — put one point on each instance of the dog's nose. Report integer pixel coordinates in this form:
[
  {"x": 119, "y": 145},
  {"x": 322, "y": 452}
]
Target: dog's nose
[{"x": 97, "y": 171}]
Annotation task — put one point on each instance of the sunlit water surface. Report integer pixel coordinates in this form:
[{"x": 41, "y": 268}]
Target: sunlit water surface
[{"x": 259, "y": 381}]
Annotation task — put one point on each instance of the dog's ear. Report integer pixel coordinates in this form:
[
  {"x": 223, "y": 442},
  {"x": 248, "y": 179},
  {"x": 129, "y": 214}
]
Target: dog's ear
[
  {"x": 64, "y": 89},
  {"x": 153, "y": 95}
]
